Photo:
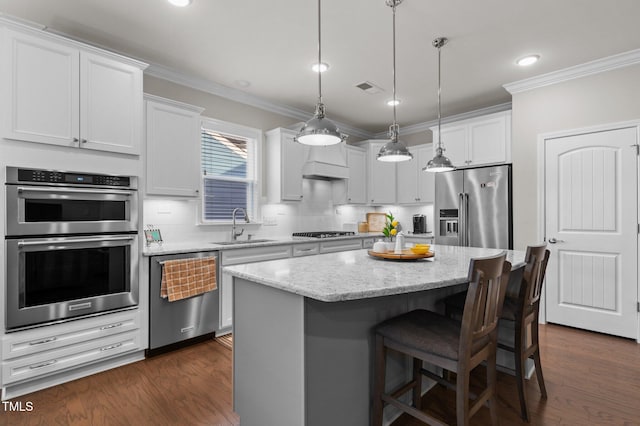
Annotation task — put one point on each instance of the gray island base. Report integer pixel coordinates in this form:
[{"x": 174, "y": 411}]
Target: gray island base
[{"x": 303, "y": 341}]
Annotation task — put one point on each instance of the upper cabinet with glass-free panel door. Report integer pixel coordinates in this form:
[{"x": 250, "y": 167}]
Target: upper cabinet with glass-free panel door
[
  {"x": 173, "y": 147},
  {"x": 477, "y": 141},
  {"x": 415, "y": 186},
  {"x": 61, "y": 92},
  {"x": 284, "y": 159}
]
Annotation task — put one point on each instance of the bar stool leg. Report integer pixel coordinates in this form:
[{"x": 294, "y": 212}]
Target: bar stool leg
[
  {"x": 520, "y": 368},
  {"x": 536, "y": 358},
  {"x": 417, "y": 379},
  {"x": 378, "y": 381}
]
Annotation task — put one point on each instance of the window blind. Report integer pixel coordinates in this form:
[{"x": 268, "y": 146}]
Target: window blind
[{"x": 228, "y": 175}]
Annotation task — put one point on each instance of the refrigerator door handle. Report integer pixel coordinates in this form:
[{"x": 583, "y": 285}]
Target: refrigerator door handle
[
  {"x": 461, "y": 220},
  {"x": 467, "y": 237}
]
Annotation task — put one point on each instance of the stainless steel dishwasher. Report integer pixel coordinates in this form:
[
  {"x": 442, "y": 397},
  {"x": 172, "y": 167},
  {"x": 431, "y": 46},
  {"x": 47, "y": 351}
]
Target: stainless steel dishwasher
[{"x": 182, "y": 322}]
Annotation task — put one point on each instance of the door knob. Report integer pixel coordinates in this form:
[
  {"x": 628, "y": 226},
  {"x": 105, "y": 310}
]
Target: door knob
[{"x": 553, "y": 241}]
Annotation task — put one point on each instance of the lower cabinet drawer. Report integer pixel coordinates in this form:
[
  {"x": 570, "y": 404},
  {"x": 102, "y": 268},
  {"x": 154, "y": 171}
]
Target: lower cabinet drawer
[
  {"x": 306, "y": 249},
  {"x": 29, "y": 342},
  {"x": 47, "y": 362},
  {"x": 340, "y": 245}
]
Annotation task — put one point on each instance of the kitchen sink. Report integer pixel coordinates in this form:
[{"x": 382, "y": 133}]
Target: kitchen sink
[{"x": 228, "y": 243}]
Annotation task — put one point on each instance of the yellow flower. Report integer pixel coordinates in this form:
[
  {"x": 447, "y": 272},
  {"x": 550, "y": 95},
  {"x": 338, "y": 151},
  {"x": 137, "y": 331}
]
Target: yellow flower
[
  {"x": 394, "y": 223},
  {"x": 393, "y": 231}
]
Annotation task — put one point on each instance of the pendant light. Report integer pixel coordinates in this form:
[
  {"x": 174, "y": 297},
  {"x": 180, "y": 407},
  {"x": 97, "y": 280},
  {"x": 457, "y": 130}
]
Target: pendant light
[
  {"x": 394, "y": 150},
  {"x": 439, "y": 163},
  {"x": 319, "y": 130}
]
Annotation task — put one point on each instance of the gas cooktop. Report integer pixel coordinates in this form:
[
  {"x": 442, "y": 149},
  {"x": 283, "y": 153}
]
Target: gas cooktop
[{"x": 323, "y": 234}]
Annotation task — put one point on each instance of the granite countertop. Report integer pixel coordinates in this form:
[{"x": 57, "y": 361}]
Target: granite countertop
[
  {"x": 353, "y": 275},
  {"x": 195, "y": 246}
]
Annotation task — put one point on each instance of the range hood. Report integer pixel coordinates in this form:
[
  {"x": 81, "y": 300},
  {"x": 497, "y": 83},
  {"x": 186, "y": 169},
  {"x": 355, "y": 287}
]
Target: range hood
[{"x": 326, "y": 163}]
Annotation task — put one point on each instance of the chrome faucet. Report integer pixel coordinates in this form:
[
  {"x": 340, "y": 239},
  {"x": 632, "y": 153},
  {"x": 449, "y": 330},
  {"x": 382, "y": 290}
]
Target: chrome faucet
[{"x": 234, "y": 234}]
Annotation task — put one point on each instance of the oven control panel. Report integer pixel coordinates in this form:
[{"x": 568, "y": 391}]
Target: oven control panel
[{"x": 70, "y": 178}]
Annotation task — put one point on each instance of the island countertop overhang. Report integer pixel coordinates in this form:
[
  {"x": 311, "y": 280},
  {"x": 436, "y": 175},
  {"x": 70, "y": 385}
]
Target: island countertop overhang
[{"x": 354, "y": 275}]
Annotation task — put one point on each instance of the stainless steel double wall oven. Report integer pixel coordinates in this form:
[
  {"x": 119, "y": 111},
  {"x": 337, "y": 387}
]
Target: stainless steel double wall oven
[{"x": 71, "y": 245}]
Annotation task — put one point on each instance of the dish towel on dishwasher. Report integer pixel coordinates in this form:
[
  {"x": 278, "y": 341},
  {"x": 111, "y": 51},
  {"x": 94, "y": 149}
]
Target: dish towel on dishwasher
[{"x": 184, "y": 278}]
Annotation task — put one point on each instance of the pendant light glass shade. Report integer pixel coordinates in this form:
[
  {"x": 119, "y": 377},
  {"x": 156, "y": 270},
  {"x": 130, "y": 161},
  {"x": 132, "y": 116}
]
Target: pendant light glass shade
[
  {"x": 439, "y": 163},
  {"x": 319, "y": 130},
  {"x": 394, "y": 150}
]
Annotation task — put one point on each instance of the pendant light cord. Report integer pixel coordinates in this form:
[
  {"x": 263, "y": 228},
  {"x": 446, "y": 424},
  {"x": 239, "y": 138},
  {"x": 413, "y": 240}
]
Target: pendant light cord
[
  {"x": 319, "y": 55},
  {"x": 439, "y": 108},
  {"x": 394, "y": 65}
]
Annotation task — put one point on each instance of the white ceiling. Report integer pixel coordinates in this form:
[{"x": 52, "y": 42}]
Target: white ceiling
[{"x": 272, "y": 45}]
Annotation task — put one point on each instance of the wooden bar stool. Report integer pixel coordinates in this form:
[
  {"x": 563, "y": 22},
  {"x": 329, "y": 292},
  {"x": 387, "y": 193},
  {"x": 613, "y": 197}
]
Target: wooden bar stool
[
  {"x": 444, "y": 342},
  {"x": 522, "y": 309}
]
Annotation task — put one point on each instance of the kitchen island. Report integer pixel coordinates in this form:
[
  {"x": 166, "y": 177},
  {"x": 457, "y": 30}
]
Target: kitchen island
[{"x": 303, "y": 341}]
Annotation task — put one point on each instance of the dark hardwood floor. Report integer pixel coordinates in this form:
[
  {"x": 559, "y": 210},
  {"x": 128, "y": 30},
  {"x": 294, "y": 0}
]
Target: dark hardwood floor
[{"x": 592, "y": 379}]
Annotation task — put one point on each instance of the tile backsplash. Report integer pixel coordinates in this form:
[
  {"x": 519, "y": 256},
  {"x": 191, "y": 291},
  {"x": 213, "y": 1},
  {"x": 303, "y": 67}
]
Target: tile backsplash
[{"x": 178, "y": 219}]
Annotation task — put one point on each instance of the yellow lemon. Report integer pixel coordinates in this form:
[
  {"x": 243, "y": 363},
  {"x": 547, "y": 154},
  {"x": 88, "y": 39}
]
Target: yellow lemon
[
  {"x": 420, "y": 250},
  {"x": 393, "y": 231},
  {"x": 394, "y": 223}
]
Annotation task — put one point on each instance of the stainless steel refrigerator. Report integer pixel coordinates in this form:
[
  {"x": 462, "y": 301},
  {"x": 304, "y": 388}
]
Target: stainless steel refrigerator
[{"x": 473, "y": 207}]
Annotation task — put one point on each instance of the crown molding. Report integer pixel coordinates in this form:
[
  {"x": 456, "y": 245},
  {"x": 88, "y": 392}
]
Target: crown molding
[
  {"x": 608, "y": 63},
  {"x": 236, "y": 95},
  {"x": 423, "y": 127}
]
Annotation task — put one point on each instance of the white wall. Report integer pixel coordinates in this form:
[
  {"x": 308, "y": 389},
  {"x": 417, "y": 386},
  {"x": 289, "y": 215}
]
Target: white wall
[{"x": 603, "y": 98}]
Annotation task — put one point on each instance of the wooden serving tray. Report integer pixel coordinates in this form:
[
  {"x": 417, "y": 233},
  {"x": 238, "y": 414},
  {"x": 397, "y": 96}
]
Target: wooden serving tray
[{"x": 407, "y": 254}]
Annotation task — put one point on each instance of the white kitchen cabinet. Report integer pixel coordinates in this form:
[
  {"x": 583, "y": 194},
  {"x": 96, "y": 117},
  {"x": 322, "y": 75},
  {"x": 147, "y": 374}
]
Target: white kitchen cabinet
[
  {"x": 173, "y": 147},
  {"x": 367, "y": 243},
  {"x": 30, "y": 354},
  {"x": 64, "y": 93},
  {"x": 340, "y": 245},
  {"x": 413, "y": 185},
  {"x": 306, "y": 249},
  {"x": 284, "y": 159},
  {"x": 354, "y": 189},
  {"x": 238, "y": 256},
  {"x": 477, "y": 141},
  {"x": 381, "y": 175}
]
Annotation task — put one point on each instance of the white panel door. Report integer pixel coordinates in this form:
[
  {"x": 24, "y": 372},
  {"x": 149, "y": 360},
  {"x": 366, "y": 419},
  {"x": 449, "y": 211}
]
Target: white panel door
[
  {"x": 454, "y": 142},
  {"x": 41, "y": 93},
  {"x": 357, "y": 182},
  {"x": 112, "y": 105},
  {"x": 407, "y": 180},
  {"x": 591, "y": 225},
  {"x": 487, "y": 141},
  {"x": 294, "y": 155},
  {"x": 381, "y": 177},
  {"x": 426, "y": 180},
  {"x": 173, "y": 150}
]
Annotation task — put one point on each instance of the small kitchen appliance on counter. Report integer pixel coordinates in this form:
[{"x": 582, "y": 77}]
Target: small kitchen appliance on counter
[{"x": 419, "y": 224}]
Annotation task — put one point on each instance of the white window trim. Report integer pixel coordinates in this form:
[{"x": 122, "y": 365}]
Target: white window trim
[{"x": 239, "y": 130}]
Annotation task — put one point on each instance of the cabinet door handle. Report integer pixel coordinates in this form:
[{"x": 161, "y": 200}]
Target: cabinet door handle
[
  {"x": 108, "y": 348},
  {"x": 107, "y": 327},
  {"x": 301, "y": 196},
  {"x": 76, "y": 140},
  {"x": 84, "y": 141},
  {"x": 42, "y": 364},
  {"x": 40, "y": 342}
]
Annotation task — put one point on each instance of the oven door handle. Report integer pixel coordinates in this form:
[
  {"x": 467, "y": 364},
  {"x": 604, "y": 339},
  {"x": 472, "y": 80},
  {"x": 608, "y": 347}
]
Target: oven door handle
[
  {"x": 57, "y": 190},
  {"x": 74, "y": 241}
]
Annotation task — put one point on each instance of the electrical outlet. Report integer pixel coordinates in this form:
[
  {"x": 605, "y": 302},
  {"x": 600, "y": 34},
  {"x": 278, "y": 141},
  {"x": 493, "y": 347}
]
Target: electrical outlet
[{"x": 269, "y": 221}]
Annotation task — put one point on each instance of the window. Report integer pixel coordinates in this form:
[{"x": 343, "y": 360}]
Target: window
[{"x": 229, "y": 170}]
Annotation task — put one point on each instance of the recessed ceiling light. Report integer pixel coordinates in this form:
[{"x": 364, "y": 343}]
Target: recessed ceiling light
[
  {"x": 180, "y": 3},
  {"x": 321, "y": 67},
  {"x": 528, "y": 60},
  {"x": 242, "y": 83},
  {"x": 392, "y": 102}
]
